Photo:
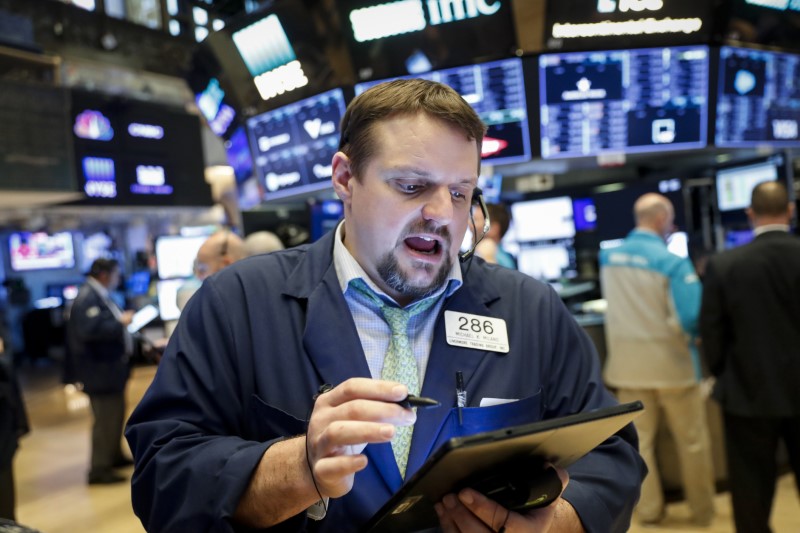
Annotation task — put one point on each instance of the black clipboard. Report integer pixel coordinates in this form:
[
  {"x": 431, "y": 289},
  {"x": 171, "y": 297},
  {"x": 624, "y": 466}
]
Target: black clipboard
[{"x": 477, "y": 459}]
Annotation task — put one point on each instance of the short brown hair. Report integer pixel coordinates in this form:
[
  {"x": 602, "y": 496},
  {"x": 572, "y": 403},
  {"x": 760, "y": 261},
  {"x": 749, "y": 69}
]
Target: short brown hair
[
  {"x": 498, "y": 214},
  {"x": 403, "y": 97},
  {"x": 770, "y": 198}
]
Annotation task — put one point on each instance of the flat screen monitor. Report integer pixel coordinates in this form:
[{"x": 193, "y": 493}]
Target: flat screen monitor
[
  {"x": 758, "y": 98},
  {"x": 41, "y": 250},
  {"x": 546, "y": 219},
  {"x": 138, "y": 283},
  {"x": 325, "y": 216},
  {"x": 735, "y": 184},
  {"x": 737, "y": 237},
  {"x": 585, "y": 214},
  {"x": 391, "y": 38},
  {"x": 623, "y": 101},
  {"x": 496, "y": 90},
  {"x": 167, "y": 292},
  {"x": 547, "y": 262},
  {"x": 175, "y": 255},
  {"x": 293, "y": 145},
  {"x": 678, "y": 243}
]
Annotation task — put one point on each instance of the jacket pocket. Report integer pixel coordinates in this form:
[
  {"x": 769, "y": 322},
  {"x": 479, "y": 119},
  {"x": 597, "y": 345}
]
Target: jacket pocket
[
  {"x": 480, "y": 419},
  {"x": 266, "y": 422}
]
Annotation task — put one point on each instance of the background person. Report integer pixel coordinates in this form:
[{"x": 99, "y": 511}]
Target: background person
[
  {"x": 750, "y": 327},
  {"x": 102, "y": 347},
  {"x": 222, "y": 248},
  {"x": 13, "y": 425},
  {"x": 653, "y": 299},
  {"x": 261, "y": 242},
  {"x": 230, "y": 427},
  {"x": 490, "y": 247}
]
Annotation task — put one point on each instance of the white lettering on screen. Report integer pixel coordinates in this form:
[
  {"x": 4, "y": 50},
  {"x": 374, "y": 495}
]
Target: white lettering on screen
[
  {"x": 784, "y": 129},
  {"x": 146, "y": 131},
  {"x": 150, "y": 175},
  {"x": 385, "y": 20},
  {"x": 277, "y": 81},
  {"x": 442, "y": 11},
  {"x": 276, "y": 181},
  {"x": 267, "y": 143}
]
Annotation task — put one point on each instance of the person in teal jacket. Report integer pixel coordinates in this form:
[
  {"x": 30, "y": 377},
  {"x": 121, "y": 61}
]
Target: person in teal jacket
[
  {"x": 651, "y": 324},
  {"x": 230, "y": 437}
]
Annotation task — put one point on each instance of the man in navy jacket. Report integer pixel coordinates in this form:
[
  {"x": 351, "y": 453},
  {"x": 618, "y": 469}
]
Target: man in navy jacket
[
  {"x": 229, "y": 436},
  {"x": 97, "y": 334}
]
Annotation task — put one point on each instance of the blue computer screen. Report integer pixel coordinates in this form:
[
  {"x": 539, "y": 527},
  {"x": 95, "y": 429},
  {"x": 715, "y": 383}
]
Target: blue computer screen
[
  {"x": 496, "y": 90},
  {"x": 758, "y": 101},
  {"x": 623, "y": 101},
  {"x": 293, "y": 145}
]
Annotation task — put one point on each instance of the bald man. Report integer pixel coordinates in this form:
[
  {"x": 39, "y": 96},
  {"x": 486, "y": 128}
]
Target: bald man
[
  {"x": 750, "y": 326},
  {"x": 262, "y": 242},
  {"x": 221, "y": 249},
  {"x": 653, "y": 301}
]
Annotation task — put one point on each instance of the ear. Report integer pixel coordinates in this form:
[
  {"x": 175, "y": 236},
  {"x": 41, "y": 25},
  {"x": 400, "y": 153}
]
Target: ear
[
  {"x": 751, "y": 216},
  {"x": 341, "y": 177}
]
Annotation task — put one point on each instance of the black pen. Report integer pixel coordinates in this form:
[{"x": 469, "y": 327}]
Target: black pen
[
  {"x": 461, "y": 396},
  {"x": 417, "y": 401}
]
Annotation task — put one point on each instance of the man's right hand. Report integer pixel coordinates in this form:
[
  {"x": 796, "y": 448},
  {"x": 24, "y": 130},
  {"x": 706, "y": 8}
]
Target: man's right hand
[{"x": 345, "y": 419}]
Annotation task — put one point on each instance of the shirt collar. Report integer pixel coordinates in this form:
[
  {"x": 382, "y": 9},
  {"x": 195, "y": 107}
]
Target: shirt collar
[
  {"x": 771, "y": 227},
  {"x": 348, "y": 269}
]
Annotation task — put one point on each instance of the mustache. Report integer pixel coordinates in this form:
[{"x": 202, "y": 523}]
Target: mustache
[{"x": 426, "y": 226}]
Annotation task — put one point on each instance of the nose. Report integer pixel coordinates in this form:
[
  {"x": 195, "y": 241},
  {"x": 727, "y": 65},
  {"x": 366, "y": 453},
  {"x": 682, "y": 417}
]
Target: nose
[{"x": 438, "y": 206}]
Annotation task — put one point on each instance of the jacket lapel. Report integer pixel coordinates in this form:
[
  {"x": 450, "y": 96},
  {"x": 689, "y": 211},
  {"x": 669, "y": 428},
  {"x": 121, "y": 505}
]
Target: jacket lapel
[{"x": 330, "y": 337}]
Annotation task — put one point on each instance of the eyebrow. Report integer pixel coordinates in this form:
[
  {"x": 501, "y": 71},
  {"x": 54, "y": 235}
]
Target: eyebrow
[{"x": 421, "y": 173}]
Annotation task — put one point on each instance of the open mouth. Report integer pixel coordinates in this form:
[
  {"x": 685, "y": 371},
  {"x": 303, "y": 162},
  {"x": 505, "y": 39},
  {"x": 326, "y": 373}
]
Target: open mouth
[{"x": 423, "y": 245}]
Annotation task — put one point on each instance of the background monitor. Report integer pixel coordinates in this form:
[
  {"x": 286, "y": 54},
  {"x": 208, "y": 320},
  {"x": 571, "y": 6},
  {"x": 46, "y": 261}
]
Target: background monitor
[
  {"x": 496, "y": 90},
  {"x": 585, "y": 214},
  {"x": 167, "y": 292},
  {"x": 735, "y": 184},
  {"x": 548, "y": 262},
  {"x": 546, "y": 219},
  {"x": 175, "y": 255},
  {"x": 399, "y": 38},
  {"x": 758, "y": 98},
  {"x": 40, "y": 250},
  {"x": 293, "y": 145},
  {"x": 737, "y": 237},
  {"x": 623, "y": 101},
  {"x": 324, "y": 216}
]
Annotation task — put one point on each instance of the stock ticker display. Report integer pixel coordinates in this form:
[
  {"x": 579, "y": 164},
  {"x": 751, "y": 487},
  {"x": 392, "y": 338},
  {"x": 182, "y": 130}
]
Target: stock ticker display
[
  {"x": 758, "y": 99},
  {"x": 293, "y": 145},
  {"x": 496, "y": 90},
  {"x": 623, "y": 101}
]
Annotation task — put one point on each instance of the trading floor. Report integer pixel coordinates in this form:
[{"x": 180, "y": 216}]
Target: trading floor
[{"x": 53, "y": 497}]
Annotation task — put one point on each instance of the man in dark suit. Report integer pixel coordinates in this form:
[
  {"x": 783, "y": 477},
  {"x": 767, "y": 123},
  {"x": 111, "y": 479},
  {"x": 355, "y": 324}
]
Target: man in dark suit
[
  {"x": 750, "y": 327},
  {"x": 13, "y": 425},
  {"x": 99, "y": 338}
]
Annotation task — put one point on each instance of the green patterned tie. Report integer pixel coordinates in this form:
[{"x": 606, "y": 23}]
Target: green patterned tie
[{"x": 399, "y": 364}]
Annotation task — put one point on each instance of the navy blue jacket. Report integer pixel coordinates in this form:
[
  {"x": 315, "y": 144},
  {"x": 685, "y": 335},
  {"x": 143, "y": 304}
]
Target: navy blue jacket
[
  {"x": 259, "y": 338},
  {"x": 97, "y": 342}
]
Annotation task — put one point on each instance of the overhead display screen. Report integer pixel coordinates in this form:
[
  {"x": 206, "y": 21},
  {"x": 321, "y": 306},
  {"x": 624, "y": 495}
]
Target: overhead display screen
[
  {"x": 496, "y": 90},
  {"x": 137, "y": 153},
  {"x": 294, "y": 144},
  {"x": 623, "y": 101},
  {"x": 758, "y": 101},
  {"x": 593, "y": 24},
  {"x": 395, "y": 38}
]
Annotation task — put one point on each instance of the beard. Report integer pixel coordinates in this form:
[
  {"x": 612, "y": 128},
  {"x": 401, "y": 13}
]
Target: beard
[{"x": 398, "y": 280}]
